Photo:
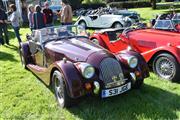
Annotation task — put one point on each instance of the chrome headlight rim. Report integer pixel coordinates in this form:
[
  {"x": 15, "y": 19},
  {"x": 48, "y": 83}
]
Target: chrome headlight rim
[
  {"x": 132, "y": 62},
  {"x": 87, "y": 70}
]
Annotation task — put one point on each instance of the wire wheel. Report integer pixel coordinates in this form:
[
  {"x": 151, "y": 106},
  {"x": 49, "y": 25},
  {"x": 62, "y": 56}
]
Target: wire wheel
[{"x": 166, "y": 67}]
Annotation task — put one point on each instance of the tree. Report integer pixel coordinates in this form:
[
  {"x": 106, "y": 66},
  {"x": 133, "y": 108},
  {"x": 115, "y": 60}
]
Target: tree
[
  {"x": 75, "y": 3},
  {"x": 153, "y": 2}
]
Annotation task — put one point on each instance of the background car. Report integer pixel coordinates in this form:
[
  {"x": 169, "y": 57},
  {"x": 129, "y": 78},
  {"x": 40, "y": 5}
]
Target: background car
[
  {"x": 161, "y": 49},
  {"x": 133, "y": 15},
  {"x": 103, "y": 18},
  {"x": 169, "y": 22},
  {"x": 65, "y": 59}
]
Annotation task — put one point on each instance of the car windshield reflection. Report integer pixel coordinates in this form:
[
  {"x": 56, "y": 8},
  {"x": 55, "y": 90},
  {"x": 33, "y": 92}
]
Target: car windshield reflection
[
  {"x": 164, "y": 24},
  {"x": 58, "y": 32}
]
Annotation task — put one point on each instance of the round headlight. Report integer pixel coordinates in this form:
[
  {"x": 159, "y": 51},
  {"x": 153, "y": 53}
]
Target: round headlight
[
  {"x": 87, "y": 70},
  {"x": 133, "y": 61}
]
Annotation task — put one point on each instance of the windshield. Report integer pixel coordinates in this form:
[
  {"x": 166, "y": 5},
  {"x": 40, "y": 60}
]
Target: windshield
[
  {"x": 164, "y": 24},
  {"x": 176, "y": 18},
  {"x": 57, "y": 32}
]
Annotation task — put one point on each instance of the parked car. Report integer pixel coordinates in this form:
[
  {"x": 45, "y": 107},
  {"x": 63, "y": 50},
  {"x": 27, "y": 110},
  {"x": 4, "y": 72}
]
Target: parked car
[
  {"x": 170, "y": 22},
  {"x": 133, "y": 15},
  {"x": 104, "y": 21},
  {"x": 64, "y": 58},
  {"x": 161, "y": 49}
]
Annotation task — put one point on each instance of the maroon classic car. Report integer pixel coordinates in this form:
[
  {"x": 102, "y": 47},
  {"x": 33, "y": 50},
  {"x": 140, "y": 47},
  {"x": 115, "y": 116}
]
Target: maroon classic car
[{"x": 64, "y": 58}]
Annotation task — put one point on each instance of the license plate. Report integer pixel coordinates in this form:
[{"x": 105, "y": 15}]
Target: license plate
[{"x": 116, "y": 91}]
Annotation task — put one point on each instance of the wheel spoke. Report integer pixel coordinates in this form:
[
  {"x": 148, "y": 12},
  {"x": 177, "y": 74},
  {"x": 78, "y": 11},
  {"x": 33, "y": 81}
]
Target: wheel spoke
[{"x": 165, "y": 67}]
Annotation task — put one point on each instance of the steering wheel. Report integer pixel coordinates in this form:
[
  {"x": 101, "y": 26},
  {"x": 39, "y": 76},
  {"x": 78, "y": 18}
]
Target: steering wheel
[{"x": 125, "y": 31}]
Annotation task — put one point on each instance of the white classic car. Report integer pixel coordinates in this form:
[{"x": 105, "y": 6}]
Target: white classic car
[{"x": 104, "y": 21}]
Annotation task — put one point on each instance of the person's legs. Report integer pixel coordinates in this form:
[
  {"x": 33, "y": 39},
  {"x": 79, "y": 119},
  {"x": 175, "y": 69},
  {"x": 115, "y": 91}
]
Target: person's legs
[
  {"x": 6, "y": 34},
  {"x": 16, "y": 30},
  {"x": 1, "y": 35}
]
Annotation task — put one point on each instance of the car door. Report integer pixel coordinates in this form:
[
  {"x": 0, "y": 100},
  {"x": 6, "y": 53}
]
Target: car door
[
  {"x": 37, "y": 52},
  {"x": 96, "y": 21}
]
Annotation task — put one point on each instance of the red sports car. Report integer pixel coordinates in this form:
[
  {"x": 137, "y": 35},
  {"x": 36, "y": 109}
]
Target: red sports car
[{"x": 160, "y": 48}]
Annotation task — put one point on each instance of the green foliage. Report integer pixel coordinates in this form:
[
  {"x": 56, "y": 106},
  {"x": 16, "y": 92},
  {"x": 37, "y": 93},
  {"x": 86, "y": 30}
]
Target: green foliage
[
  {"x": 130, "y": 4},
  {"x": 93, "y": 1},
  {"x": 75, "y": 3}
]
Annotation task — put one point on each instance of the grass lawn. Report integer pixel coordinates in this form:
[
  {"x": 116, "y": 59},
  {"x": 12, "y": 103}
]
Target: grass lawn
[
  {"x": 23, "y": 96},
  {"x": 147, "y": 13}
]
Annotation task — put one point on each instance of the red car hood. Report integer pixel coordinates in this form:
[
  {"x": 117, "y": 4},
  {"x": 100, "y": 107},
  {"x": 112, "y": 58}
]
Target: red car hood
[
  {"x": 73, "y": 49},
  {"x": 158, "y": 35}
]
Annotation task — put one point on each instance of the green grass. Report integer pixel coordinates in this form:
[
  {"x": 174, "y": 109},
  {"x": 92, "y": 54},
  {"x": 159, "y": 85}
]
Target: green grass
[
  {"x": 23, "y": 96},
  {"x": 147, "y": 13}
]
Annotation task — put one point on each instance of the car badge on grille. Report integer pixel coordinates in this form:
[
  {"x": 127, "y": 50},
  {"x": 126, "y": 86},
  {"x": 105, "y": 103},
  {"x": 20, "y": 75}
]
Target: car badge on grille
[{"x": 118, "y": 78}]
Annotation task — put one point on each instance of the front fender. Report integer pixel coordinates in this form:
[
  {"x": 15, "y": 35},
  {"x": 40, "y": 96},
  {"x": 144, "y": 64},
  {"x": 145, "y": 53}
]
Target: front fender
[
  {"x": 142, "y": 66},
  {"x": 73, "y": 79},
  {"x": 170, "y": 49}
]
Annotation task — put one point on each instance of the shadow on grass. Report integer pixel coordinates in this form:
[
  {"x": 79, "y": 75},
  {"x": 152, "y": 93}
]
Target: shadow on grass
[
  {"x": 6, "y": 57},
  {"x": 149, "y": 103},
  {"x": 146, "y": 103}
]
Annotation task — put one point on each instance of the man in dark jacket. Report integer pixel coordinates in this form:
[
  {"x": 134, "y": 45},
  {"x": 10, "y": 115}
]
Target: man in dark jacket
[
  {"x": 48, "y": 14},
  {"x": 3, "y": 27},
  {"x": 39, "y": 18}
]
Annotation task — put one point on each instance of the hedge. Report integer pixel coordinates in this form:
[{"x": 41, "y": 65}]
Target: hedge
[
  {"x": 130, "y": 4},
  {"x": 93, "y": 5}
]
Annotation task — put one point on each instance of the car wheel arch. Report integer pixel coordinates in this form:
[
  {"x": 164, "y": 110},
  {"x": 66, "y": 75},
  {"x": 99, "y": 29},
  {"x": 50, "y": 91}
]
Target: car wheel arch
[
  {"x": 51, "y": 81},
  {"x": 82, "y": 20},
  {"x": 65, "y": 68},
  {"x": 150, "y": 62},
  {"x": 115, "y": 22}
]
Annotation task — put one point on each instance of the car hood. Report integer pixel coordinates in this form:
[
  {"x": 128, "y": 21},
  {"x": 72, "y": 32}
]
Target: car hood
[
  {"x": 152, "y": 34},
  {"x": 74, "y": 49}
]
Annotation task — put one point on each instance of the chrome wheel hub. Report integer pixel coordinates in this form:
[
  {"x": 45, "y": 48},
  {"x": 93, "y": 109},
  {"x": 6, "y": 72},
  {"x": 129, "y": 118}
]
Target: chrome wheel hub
[
  {"x": 59, "y": 89},
  {"x": 165, "y": 67}
]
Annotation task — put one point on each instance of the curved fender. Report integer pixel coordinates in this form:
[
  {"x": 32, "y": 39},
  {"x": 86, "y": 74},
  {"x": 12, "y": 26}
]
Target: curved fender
[
  {"x": 73, "y": 79},
  {"x": 173, "y": 50},
  {"x": 142, "y": 65}
]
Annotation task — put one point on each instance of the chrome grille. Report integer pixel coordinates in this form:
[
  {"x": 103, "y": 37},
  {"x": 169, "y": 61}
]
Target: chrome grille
[{"x": 111, "y": 72}]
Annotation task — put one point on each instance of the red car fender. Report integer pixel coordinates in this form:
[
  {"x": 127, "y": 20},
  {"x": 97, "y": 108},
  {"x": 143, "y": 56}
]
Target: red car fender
[
  {"x": 149, "y": 55},
  {"x": 73, "y": 80},
  {"x": 98, "y": 37}
]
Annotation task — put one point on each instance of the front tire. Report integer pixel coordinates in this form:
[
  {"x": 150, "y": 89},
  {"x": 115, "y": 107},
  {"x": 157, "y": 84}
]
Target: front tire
[
  {"x": 60, "y": 90},
  {"x": 138, "y": 83},
  {"x": 117, "y": 25},
  {"x": 166, "y": 67},
  {"x": 23, "y": 62}
]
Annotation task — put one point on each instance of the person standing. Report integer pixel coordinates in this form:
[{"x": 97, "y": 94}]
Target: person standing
[
  {"x": 14, "y": 19},
  {"x": 30, "y": 16},
  {"x": 48, "y": 14},
  {"x": 3, "y": 27},
  {"x": 39, "y": 18},
  {"x": 66, "y": 13}
]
